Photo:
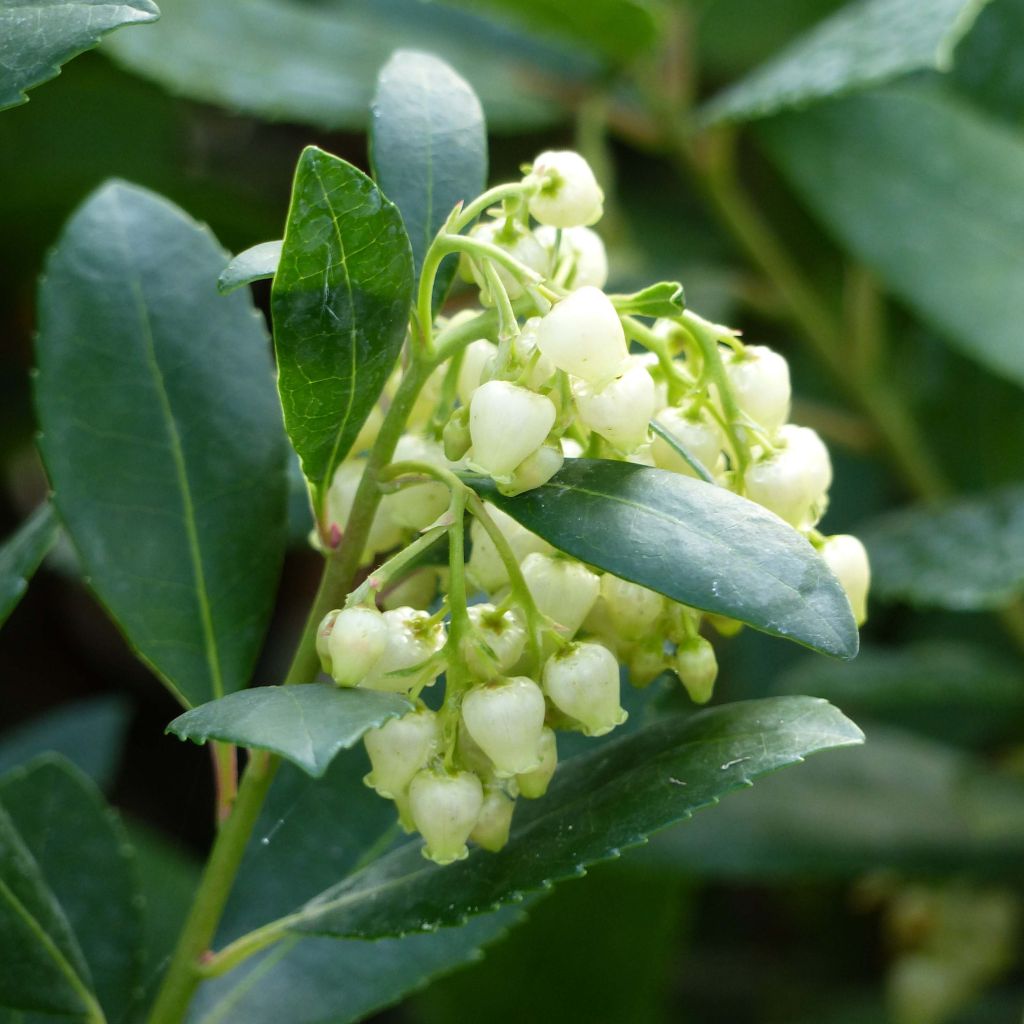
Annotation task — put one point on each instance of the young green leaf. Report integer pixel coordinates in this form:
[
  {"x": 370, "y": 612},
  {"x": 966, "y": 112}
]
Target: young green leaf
[
  {"x": 428, "y": 146},
  {"x": 21, "y": 554},
  {"x": 598, "y": 805},
  {"x": 82, "y": 853},
  {"x": 701, "y": 545},
  {"x": 663, "y": 299},
  {"x": 965, "y": 555},
  {"x": 162, "y": 437},
  {"x": 866, "y": 43},
  {"x": 37, "y": 36},
  {"x": 255, "y": 264},
  {"x": 867, "y": 166},
  {"x": 340, "y": 301},
  {"x": 306, "y": 724}
]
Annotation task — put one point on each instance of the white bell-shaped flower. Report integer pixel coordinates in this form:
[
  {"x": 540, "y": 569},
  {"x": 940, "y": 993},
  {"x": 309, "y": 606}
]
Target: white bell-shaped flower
[
  {"x": 506, "y": 718},
  {"x": 507, "y": 423},
  {"x": 534, "y": 784},
  {"x": 399, "y": 749},
  {"x": 445, "y": 808},
  {"x": 518, "y": 242},
  {"x": 534, "y": 470},
  {"x": 538, "y": 368},
  {"x": 581, "y": 253},
  {"x": 416, "y": 506},
  {"x": 645, "y": 661},
  {"x": 621, "y": 410},
  {"x": 697, "y": 667},
  {"x": 563, "y": 589},
  {"x": 759, "y": 378},
  {"x": 582, "y": 680},
  {"x": 412, "y": 641},
  {"x": 502, "y": 633},
  {"x": 323, "y": 633},
  {"x": 568, "y": 193},
  {"x": 485, "y": 565},
  {"x": 793, "y": 482},
  {"x": 495, "y": 820},
  {"x": 385, "y": 533},
  {"x": 699, "y": 435},
  {"x": 476, "y": 359},
  {"x": 847, "y": 558},
  {"x": 582, "y": 334},
  {"x": 633, "y": 610},
  {"x": 356, "y": 642}
]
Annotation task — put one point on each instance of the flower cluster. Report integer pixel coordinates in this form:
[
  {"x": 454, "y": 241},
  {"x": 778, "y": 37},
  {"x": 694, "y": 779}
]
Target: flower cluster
[{"x": 529, "y": 640}]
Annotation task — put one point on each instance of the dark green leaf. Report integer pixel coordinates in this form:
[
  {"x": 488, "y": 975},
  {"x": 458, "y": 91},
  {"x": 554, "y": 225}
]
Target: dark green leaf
[
  {"x": 317, "y": 63},
  {"x": 898, "y": 802},
  {"x": 701, "y": 545},
  {"x": 255, "y": 264},
  {"x": 866, "y": 43},
  {"x": 340, "y": 300},
  {"x": 663, "y": 299},
  {"x": 428, "y": 147},
  {"x": 988, "y": 65},
  {"x": 307, "y": 724},
  {"x": 21, "y": 554},
  {"x": 958, "y": 692},
  {"x": 89, "y": 733},
  {"x": 43, "y": 966},
  {"x": 162, "y": 437},
  {"x": 37, "y": 36},
  {"x": 965, "y": 555},
  {"x": 928, "y": 194},
  {"x": 82, "y": 853},
  {"x": 599, "y": 804}
]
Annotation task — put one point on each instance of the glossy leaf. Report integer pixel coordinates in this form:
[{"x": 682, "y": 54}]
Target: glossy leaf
[
  {"x": 429, "y": 148},
  {"x": 256, "y": 264},
  {"x": 988, "y": 65},
  {"x": 21, "y": 554},
  {"x": 340, "y": 300},
  {"x": 162, "y": 437},
  {"x": 663, "y": 299},
  {"x": 43, "y": 967},
  {"x": 928, "y": 194},
  {"x": 965, "y": 555},
  {"x": 701, "y": 545},
  {"x": 37, "y": 36},
  {"x": 306, "y": 724},
  {"x": 599, "y": 804},
  {"x": 866, "y": 43},
  {"x": 317, "y": 63},
  {"x": 82, "y": 853}
]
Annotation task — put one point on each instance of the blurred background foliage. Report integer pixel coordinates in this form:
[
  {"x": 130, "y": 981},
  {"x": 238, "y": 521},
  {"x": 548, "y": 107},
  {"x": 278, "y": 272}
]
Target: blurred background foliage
[{"x": 866, "y": 218}]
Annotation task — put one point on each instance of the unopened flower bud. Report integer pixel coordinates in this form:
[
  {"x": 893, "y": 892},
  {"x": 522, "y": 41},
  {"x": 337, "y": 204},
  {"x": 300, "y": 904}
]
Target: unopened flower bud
[
  {"x": 506, "y": 718},
  {"x": 645, "y": 661},
  {"x": 495, "y": 820},
  {"x": 534, "y": 784},
  {"x": 699, "y": 435},
  {"x": 569, "y": 194},
  {"x": 485, "y": 564},
  {"x": 476, "y": 358},
  {"x": 793, "y": 482},
  {"x": 633, "y": 610},
  {"x": 582, "y": 259},
  {"x": 847, "y": 558},
  {"x": 507, "y": 423},
  {"x": 759, "y": 379},
  {"x": 355, "y": 644},
  {"x": 582, "y": 335},
  {"x": 323, "y": 632},
  {"x": 385, "y": 533},
  {"x": 412, "y": 641},
  {"x": 621, "y": 410},
  {"x": 445, "y": 809},
  {"x": 503, "y": 635},
  {"x": 563, "y": 589},
  {"x": 534, "y": 470},
  {"x": 416, "y": 506},
  {"x": 518, "y": 242},
  {"x": 399, "y": 749},
  {"x": 582, "y": 680},
  {"x": 697, "y": 668}
]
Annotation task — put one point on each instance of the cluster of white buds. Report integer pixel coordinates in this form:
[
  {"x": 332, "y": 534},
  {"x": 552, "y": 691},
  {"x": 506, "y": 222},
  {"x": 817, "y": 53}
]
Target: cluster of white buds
[{"x": 541, "y": 644}]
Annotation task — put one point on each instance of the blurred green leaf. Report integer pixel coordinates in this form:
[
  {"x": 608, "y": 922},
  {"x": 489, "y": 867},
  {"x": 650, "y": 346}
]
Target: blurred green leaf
[
  {"x": 162, "y": 438},
  {"x": 309, "y": 724},
  {"x": 865, "y": 43},
  {"x": 89, "y": 733},
  {"x": 965, "y": 554},
  {"x": 599, "y": 804},
  {"x": 931, "y": 197},
  {"x": 37, "y": 36},
  {"x": 988, "y": 65},
  {"x": 21, "y": 554},
  {"x": 958, "y": 692},
  {"x": 664, "y": 531},
  {"x": 255, "y": 264},
  {"x": 428, "y": 145},
  {"x": 340, "y": 301},
  {"x": 317, "y": 63},
  {"x": 82, "y": 852}
]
